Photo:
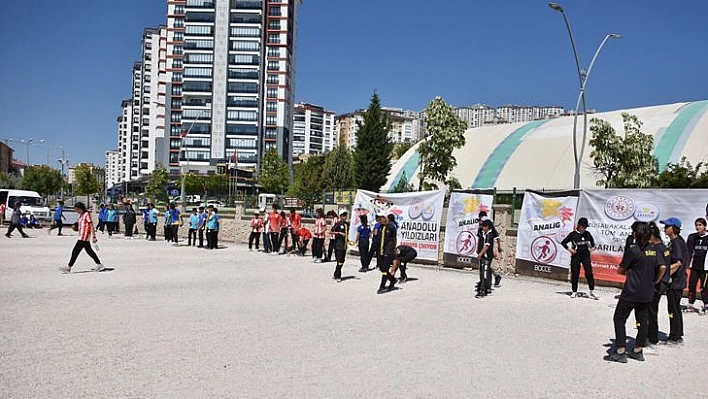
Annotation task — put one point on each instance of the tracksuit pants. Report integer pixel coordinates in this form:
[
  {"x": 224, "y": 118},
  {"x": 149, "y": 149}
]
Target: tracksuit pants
[
  {"x": 575, "y": 262},
  {"x": 675, "y": 315},
  {"x": 641, "y": 314}
]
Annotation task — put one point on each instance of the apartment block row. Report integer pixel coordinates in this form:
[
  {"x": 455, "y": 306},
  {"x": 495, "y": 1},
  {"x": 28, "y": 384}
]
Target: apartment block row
[
  {"x": 481, "y": 114},
  {"x": 215, "y": 83}
]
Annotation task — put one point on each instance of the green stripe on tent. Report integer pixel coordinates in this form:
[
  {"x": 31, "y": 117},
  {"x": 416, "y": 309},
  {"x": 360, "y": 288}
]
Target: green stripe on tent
[
  {"x": 409, "y": 168},
  {"x": 671, "y": 143},
  {"x": 493, "y": 166}
]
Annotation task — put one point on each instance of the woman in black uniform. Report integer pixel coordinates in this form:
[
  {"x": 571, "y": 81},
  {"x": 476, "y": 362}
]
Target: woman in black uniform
[
  {"x": 582, "y": 245},
  {"x": 697, "y": 244}
]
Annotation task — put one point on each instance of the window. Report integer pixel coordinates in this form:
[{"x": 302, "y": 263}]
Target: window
[
  {"x": 196, "y": 113},
  {"x": 244, "y": 59},
  {"x": 199, "y": 58},
  {"x": 200, "y": 3},
  {"x": 176, "y": 103},
  {"x": 244, "y": 45},
  {"x": 243, "y": 102},
  {"x": 178, "y": 23},
  {"x": 197, "y": 155},
  {"x": 246, "y": 18},
  {"x": 271, "y": 119},
  {"x": 274, "y": 38},
  {"x": 273, "y": 65},
  {"x": 199, "y": 44},
  {"x": 178, "y": 36},
  {"x": 239, "y": 73},
  {"x": 242, "y": 87},
  {"x": 271, "y": 106},
  {"x": 178, "y": 50},
  {"x": 197, "y": 101},
  {"x": 196, "y": 86},
  {"x": 244, "y": 31},
  {"x": 246, "y": 144},
  {"x": 272, "y": 92},
  {"x": 273, "y": 52},
  {"x": 177, "y": 63},
  {"x": 274, "y": 24},
  {"x": 274, "y": 11},
  {"x": 199, "y": 128},
  {"x": 272, "y": 79},
  {"x": 247, "y": 4},
  {"x": 246, "y": 116},
  {"x": 193, "y": 16},
  {"x": 193, "y": 72},
  {"x": 177, "y": 77},
  {"x": 197, "y": 142},
  {"x": 179, "y": 9},
  {"x": 198, "y": 30}
]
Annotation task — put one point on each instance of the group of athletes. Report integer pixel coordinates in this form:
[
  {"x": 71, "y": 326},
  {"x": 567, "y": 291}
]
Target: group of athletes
[
  {"x": 285, "y": 234},
  {"x": 653, "y": 269}
]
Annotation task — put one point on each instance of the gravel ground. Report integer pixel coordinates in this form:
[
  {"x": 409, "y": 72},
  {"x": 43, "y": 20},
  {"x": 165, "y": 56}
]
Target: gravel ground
[{"x": 185, "y": 322}]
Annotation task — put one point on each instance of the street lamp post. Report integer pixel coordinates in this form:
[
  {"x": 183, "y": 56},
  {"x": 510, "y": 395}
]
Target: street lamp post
[
  {"x": 583, "y": 79},
  {"x": 63, "y": 162},
  {"x": 28, "y": 143}
]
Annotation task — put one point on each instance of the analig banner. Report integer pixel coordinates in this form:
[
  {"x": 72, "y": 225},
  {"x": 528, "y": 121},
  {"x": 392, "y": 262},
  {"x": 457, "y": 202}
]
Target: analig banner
[
  {"x": 462, "y": 224},
  {"x": 611, "y": 213},
  {"x": 418, "y": 215},
  {"x": 546, "y": 219}
]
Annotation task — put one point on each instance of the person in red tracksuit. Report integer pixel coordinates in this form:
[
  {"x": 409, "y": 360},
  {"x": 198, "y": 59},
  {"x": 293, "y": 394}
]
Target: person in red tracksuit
[{"x": 256, "y": 227}]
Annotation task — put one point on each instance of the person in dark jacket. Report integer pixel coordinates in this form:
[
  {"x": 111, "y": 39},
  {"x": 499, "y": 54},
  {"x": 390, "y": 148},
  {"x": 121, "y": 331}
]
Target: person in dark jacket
[
  {"x": 15, "y": 221},
  {"x": 582, "y": 245},
  {"x": 678, "y": 263},
  {"x": 129, "y": 219}
]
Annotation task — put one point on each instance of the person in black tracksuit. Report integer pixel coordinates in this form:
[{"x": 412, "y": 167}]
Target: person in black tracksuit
[
  {"x": 697, "y": 244},
  {"x": 404, "y": 254},
  {"x": 630, "y": 238},
  {"x": 641, "y": 263},
  {"x": 340, "y": 232},
  {"x": 660, "y": 285},
  {"x": 582, "y": 245},
  {"x": 485, "y": 254},
  {"x": 679, "y": 261},
  {"x": 375, "y": 241},
  {"x": 386, "y": 253}
]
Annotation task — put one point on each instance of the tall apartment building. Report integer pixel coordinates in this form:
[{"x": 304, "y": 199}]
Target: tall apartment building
[
  {"x": 313, "y": 130},
  {"x": 405, "y": 125},
  {"x": 112, "y": 168},
  {"x": 232, "y": 81},
  {"x": 125, "y": 140},
  {"x": 480, "y": 114}
]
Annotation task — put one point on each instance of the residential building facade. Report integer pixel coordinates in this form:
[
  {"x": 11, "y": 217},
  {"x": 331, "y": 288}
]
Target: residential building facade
[
  {"x": 112, "y": 168},
  {"x": 406, "y": 125},
  {"x": 313, "y": 130},
  {"x": 481, "y": 114}
]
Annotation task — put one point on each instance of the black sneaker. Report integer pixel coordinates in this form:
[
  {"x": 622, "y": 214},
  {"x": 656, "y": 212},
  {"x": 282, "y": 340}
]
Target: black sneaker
[
  {"x": 674, "y": 342},
  {"x": 616, "y": 357},
  {"x": 381, "y": 291},
  {"x": 639, "y": 356},
  {"x": 497, "y": 280},
  {"x": 480, "y": 295},
  {"x": 402, "y": 280},
  {"x": 362, "y": 270}
]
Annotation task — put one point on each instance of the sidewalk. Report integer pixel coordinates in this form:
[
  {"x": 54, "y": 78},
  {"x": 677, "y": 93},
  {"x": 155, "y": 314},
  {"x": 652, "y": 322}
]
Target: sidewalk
[{"x": 185, "y": 322}]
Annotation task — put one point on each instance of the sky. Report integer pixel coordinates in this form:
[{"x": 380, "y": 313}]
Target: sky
[{"x": 66, "y": 65}]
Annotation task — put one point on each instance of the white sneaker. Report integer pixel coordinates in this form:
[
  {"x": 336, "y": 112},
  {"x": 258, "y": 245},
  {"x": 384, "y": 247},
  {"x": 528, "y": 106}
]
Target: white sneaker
[
  {"x": 99, "y": 268},
  {"x": 318, "y": 260},
  {"x": 650, "y": 350},
  {"x": 593, "y": 296},
  {"x": 692, "y": 308},
  {"x": 65, "y": 269},
  {"x": 574, "y": 295}
]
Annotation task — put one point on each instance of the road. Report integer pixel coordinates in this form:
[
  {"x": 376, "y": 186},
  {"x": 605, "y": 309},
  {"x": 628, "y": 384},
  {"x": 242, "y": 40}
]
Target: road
[{"x": 184, "y": 322}]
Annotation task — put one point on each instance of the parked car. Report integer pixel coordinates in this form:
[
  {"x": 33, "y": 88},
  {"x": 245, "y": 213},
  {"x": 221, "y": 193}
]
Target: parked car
[{"x": 215, "y": 203}]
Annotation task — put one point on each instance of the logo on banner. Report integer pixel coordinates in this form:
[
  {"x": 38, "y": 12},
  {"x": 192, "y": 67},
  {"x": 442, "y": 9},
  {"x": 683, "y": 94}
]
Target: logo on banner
[
  {"x": 466, "y": 243},
  {"x": 544, "y": 249},
  {"x": 619, "y": 207},
  {"x": 646, "y": 212},
  {"x": 419, "y": 208}
]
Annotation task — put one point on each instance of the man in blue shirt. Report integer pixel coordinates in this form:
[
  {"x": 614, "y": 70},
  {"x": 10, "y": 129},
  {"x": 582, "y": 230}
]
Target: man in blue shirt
[
  {"x": 58, "y": 218},
  {"x": 102, "y": 215},
  {"x": 152, "y": 221},
  {"x": 193, "y": 226},
  {"x": 212, "y": 226},
  {"x": 201, "y": 226}
]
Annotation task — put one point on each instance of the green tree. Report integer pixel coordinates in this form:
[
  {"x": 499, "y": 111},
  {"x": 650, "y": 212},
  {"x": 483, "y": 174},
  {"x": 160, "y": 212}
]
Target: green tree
[
  {"x": 42, "y": 179},
  {"x": 446, "y": 133},
  {"x": 339, "y": 168},
  {"x": 86, "y": 182},
  {"x": 308, "y": 181},
  {"x": 10, "y": 180},
  {"x": 399, "y": 149},
  {"x": 623, "y": 162},
  {"x": 372, "y": 156},
  {"x": 155, "y": 189},
  {"x": 683, "y": 175},
  {"x": 274, "y": 173}
]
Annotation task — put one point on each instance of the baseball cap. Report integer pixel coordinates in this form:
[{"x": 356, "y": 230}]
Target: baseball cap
[
  {"x": 672, "y": 221},
  {"x": 381, "y": 213}
]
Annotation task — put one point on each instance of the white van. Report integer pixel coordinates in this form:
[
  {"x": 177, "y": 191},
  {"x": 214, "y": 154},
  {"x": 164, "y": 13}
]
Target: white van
[{"x": 32, "y": 203}]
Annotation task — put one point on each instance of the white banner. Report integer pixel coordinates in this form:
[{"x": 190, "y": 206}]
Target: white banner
[
  {"x": 545, "y": 221},
  {"x": 463, "y": 222},
  {"x": 611, "y": 213},
  {"x": 418, "y": 215}
]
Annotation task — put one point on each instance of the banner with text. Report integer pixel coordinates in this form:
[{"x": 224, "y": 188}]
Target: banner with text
[
  {"x": 418, "y": 215},
  {"x": 460, "y": 248},
  {"x": 546, "y": 219},
  {"x": 611, "y": 213}
]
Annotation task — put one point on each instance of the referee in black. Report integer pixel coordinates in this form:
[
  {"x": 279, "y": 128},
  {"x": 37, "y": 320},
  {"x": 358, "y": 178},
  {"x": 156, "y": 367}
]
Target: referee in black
[
  {"x": 340, "y": 232},
  {"x": 386, "y": 253}
]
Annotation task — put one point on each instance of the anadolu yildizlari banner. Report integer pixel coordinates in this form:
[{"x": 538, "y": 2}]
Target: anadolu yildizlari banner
[
  {"x": 546, "y": 219},
  {"x": 462, "y": 225},
  {"x": 417, "y": 214},
  {"x": 611, "y": 213}
]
